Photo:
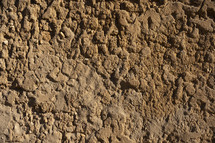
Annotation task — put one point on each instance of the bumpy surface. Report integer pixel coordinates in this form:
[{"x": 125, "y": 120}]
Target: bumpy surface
[{"x": 109, "y": 71}]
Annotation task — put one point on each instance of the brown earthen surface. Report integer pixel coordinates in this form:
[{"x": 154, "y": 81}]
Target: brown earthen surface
[{"x": 107, "y": 71}]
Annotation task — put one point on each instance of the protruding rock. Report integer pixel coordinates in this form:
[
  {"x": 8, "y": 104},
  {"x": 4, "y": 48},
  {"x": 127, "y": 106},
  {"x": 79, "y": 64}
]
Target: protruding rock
[
  {"x": 30, "y": 82},
  {"x": 190, "y": 89}
]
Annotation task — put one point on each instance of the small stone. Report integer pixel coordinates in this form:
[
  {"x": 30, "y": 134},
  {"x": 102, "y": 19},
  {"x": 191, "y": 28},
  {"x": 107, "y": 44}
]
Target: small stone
[
  {"x": 187, "y": 76},
  {"x": 3, "y": 78},
  {"x": 11, "y": 96},
  {"x": 2, "y": 64},
  {"x": 4, "y": 53},
  {"x": 50, "y": 14},
  {"x": 100, "y": 37},
  {"x": 17, "y": 129},
  {"x": 143, "y": 84},
  {"x": 195, "y": 33},
  {"x": 134, "y": 83},
  {"x": 179, "y": 93},
  {"x": 94, "y": 23},
  {"x": 68, "y": 68},
  {"x": 61, "y": 35},
  {"x": 171, "y": 55},
  {"x": 122, "y": 18},
  {"x": 167, "y": 75},
  {"x": 104, "y": 134},
  {"x": 184, "y": 57},
  {"x": 190, "y": 89},
  {"x": 67, "y": 32},
  {"x": 30, "y": 82},
  {"x": 5, "y": 42},
  {"x": 211, "y": 82},
  {"x": 146, "y": 52}
]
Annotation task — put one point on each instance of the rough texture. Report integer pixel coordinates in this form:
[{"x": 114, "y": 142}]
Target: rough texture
[{"x": 118, "y": 71}]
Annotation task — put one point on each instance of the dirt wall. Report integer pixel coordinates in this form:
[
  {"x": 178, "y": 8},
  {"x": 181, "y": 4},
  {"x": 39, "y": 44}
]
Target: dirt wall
[{"x": 118, "y": 71}]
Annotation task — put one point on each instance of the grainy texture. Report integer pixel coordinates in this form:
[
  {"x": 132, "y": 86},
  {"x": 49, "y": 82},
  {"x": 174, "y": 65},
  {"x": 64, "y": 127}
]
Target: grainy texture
[{"x": 109, "y": 71}]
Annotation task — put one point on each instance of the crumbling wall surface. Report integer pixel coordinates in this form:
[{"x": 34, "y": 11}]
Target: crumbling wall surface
[{"x": 118, "y": 71}]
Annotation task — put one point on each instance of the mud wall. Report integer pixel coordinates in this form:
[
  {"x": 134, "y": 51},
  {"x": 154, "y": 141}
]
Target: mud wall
[{"x": 117, "y": 71}]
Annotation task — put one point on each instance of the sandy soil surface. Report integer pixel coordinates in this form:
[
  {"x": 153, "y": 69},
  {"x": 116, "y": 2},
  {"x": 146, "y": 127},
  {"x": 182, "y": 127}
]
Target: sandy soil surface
[{"x": 107, "y": 71}]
